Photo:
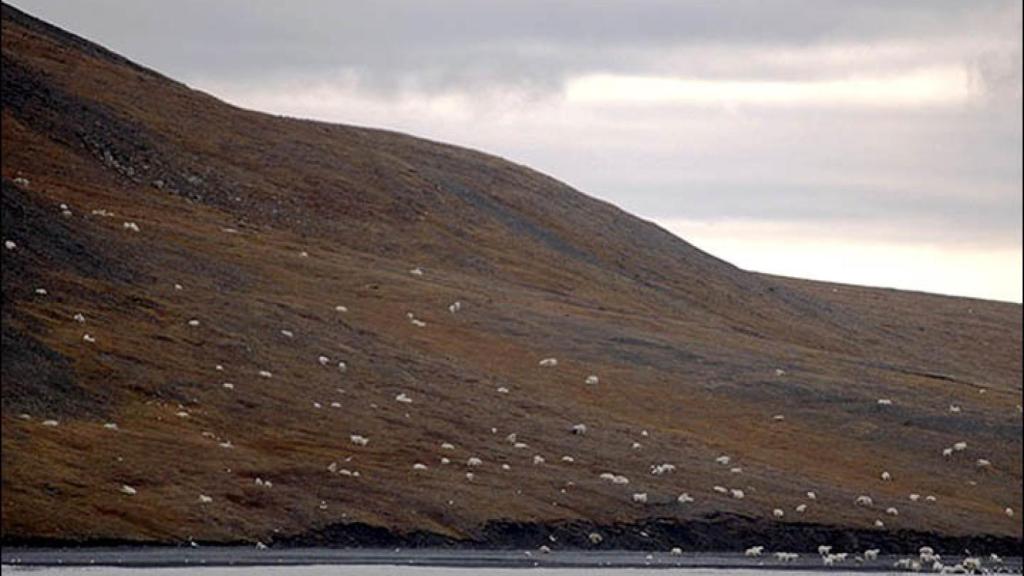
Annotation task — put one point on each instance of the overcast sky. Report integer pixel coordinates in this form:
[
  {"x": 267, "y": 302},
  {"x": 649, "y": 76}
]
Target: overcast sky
[{"x": 870, "y": 142}]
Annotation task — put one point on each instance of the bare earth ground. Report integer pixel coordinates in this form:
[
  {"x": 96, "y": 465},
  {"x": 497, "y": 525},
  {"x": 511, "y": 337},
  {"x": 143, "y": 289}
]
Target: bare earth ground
[{"x": 268, "y": 224}]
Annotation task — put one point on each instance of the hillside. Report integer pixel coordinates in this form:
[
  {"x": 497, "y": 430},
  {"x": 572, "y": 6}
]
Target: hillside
[{"x": 204, "y": 244}]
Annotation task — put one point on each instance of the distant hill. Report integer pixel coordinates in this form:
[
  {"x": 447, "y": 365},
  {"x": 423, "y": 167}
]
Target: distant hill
[{"x": 207, "y": 268}]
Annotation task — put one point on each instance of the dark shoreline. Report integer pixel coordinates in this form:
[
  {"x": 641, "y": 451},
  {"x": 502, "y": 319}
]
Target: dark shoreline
[{"x": 715, "y": 534}]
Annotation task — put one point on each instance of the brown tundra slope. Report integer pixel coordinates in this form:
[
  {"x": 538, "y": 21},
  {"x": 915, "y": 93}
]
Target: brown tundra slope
[{"x": 253, "y": 229}]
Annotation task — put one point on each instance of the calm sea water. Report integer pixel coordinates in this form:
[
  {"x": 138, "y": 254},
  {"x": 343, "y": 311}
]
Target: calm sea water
[
  {"x": 334, "y": 570},
  {"x": 245, "y": 561}
]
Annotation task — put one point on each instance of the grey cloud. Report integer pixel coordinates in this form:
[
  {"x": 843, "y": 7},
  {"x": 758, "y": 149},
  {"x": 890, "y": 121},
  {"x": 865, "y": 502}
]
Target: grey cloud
[
  {"x": 948, "y": 176},
  {"x": 946, "y": 220},
  {"x": 467, "y": 43}
]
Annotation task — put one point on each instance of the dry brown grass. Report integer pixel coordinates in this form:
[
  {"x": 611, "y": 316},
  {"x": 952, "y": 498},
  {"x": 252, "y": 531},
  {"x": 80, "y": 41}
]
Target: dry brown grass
[{"x": 686, "y": 346}]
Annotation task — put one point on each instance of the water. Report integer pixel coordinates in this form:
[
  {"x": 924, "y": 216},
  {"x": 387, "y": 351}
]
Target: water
[
  {"x": 244, "y": 561},
  {"x": 411, "y": 571}
]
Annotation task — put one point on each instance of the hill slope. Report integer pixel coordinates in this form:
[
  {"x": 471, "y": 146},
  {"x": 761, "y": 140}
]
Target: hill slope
[{"x": 252, "y": 230}]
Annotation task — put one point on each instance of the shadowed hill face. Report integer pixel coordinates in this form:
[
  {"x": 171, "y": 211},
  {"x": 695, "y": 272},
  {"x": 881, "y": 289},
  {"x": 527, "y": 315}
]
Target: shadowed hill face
[{"x": 212, "y": 336}]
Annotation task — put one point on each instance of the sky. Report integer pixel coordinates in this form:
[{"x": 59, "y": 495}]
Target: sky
[{"x": 869, "y": 142}]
